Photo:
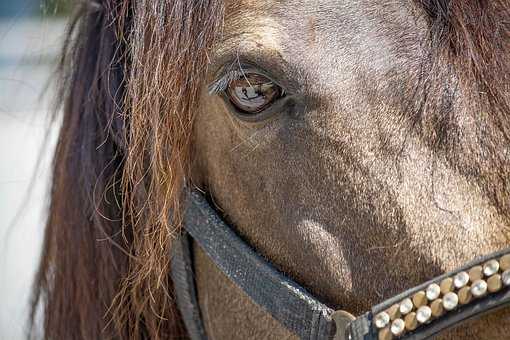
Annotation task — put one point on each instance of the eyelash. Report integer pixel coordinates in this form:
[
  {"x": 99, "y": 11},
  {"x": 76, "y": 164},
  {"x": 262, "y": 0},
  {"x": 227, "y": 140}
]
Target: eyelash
[{"x": 221, "y": 84}]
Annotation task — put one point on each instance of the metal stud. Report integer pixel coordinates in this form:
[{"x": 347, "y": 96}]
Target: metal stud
[
  {"x": 406, "y": 306},
  {"x": 437, "y": 308},
  {"x": 490, "y": 267},
  {"x": 411, "y": 321},
  {"x": 475, "y": 273},
  {"x": 504, "y": 262},
  {"x": 494, "y": 283},
  {"x": 397, "y": 327},
  {"x": 419, "y": 299},
  {"x": 465, "y": 295},
  {"x": 423, "y": 314},
  {"x": 433, "y": 291},
  {"x": 479, "y": 288},
  {"x": 385, "y": 334},
  {"x": 505, "y": 277},
  {"x": 394, "y": 312},
  {"x": 450, "y": 301},
  {"x": 381, "y": 320},
  {"x": 460, "y": 280},
  {"x": 446, "y": 285}
]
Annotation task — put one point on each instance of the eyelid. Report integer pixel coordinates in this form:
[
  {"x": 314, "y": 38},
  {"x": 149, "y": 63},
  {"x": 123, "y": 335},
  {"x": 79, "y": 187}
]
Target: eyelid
[{"x": 232, "y": 72}]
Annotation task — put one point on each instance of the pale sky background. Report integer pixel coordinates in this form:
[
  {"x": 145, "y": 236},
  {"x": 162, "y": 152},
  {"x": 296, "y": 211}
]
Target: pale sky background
[{"x": 27, "y": 52}]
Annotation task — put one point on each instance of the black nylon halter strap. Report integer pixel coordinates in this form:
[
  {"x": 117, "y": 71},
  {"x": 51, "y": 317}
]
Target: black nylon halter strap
[
  {"x": 281, "y": 297},
  {"x": 304, "y": 315}
]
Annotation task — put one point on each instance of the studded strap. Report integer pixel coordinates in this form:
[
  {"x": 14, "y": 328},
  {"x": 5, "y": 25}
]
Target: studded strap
[
  {"x": 286, "y": 301},
  {"x": 477, "y": 288}
]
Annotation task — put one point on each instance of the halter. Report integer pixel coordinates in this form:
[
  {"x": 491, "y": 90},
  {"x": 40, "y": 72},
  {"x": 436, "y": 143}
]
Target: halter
[{"x": 477, "y": 288}]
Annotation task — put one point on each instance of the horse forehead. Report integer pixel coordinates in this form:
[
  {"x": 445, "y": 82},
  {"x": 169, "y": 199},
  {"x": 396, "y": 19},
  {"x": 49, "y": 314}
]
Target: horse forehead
[
  {"x": 328, "y": 41},
  {"x": 324, "y": 15}
]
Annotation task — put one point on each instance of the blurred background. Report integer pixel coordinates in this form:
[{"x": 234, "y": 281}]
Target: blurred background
[{"x": 31, "y": 33}]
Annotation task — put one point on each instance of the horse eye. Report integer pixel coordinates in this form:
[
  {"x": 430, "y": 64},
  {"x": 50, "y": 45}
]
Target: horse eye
[{"x": 253, "y": 93}]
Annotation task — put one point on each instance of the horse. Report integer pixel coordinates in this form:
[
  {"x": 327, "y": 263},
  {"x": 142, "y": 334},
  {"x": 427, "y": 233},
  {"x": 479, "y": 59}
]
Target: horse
[{"x": 360, "y": 147}]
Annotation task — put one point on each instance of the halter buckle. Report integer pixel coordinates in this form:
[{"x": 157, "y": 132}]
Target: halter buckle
[{"x": 342, "y": 320}]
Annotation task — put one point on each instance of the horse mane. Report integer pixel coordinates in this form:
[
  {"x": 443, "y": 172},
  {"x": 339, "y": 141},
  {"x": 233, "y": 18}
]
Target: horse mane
[
  {"x": 130, "y": 77},
  {"x": 464, "y": 91},
  {"x": 469, "y": 44}
]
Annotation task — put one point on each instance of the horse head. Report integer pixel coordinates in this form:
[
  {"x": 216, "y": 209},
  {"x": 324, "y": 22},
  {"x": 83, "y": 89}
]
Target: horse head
[{"x": 361, "y": 147}]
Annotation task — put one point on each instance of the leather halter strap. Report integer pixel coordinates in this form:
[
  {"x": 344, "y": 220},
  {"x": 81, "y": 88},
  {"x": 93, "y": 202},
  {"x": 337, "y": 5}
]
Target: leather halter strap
[
  {"x": 289, "y": 303},
  {"x": 284, "y": 299}
]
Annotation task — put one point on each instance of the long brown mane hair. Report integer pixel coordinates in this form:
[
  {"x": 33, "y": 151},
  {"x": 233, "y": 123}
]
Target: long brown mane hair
[{"x": 130, "y": 76}]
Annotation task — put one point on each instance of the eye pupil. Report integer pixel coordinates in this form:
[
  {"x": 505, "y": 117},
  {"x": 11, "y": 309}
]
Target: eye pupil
[{"x": 253, "y": 93}]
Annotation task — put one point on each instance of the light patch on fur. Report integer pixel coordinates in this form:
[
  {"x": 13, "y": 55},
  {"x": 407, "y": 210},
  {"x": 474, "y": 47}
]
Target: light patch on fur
[
  {"x": 462, "y": 213},
  {"x": 326, "y": 246},
  {"x": 261, "y": 35}
]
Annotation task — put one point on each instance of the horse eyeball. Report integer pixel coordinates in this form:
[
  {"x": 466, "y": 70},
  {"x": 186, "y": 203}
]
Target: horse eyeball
[{"x": 253, "y": 93}]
